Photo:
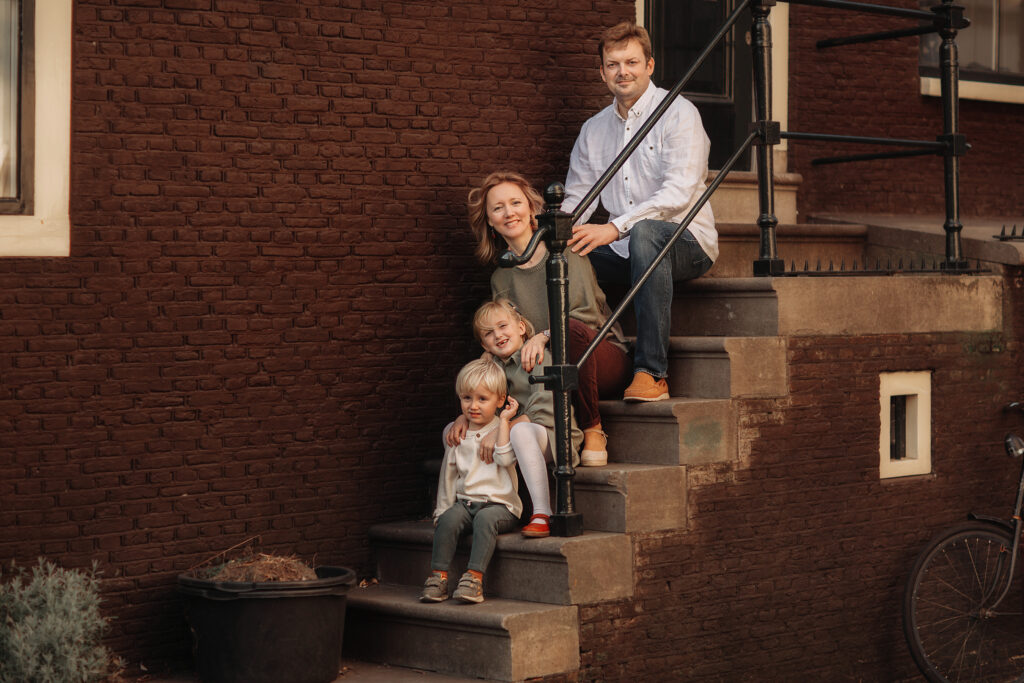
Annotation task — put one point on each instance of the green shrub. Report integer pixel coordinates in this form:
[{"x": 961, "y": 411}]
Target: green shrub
[{"x": 51, "y": 626}]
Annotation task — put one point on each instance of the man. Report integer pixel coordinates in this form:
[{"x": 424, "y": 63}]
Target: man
[{"x": 646, "y": 200}]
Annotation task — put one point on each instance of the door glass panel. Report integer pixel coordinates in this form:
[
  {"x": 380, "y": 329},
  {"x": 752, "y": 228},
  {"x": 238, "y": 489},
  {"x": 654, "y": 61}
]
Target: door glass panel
[{"x": 721, "y": 88}]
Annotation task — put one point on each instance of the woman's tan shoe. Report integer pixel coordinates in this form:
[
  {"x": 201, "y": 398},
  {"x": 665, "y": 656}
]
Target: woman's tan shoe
[{"x": 595, "y": 448}]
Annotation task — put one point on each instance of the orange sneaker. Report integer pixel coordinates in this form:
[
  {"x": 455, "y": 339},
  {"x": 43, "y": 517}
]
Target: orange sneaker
[
  {"x": 646, "y": 388},
  {"x": 538, "y": 527}
]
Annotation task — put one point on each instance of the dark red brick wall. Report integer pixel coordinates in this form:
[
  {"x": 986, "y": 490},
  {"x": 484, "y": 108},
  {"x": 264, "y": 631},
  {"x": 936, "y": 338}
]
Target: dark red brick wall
[
  {"x": 873, "y": 90},
  {"x": 270, "y": 283},
  {"x": 794, "y": 565}
]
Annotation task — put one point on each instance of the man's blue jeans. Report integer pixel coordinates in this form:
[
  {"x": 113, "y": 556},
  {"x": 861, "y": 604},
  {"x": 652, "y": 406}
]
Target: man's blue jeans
[{"x": 653, "y": 303}]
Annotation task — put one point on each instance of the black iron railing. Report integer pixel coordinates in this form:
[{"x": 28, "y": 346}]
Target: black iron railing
[{"x": 555, "y": 225}]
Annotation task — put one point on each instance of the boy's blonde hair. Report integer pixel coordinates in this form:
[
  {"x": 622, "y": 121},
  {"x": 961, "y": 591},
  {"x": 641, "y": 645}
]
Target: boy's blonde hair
[
  {"x": 481, "y": 371},
  {"x": 498, "y": 306}
]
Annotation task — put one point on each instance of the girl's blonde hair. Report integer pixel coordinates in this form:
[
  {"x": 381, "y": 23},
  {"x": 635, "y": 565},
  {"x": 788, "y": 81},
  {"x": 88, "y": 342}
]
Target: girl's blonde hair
[
  {"x": 488, "y": 242},
  {"x": 481, "y": 371},
  {"x": 497, "y": 307}
]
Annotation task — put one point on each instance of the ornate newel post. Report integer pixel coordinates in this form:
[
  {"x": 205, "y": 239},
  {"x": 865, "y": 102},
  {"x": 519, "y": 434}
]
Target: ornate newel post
[
  {"x": 560, "y": 378},
  {"x": 768, "y": 261},
  {"x": 948, "y": 20}
]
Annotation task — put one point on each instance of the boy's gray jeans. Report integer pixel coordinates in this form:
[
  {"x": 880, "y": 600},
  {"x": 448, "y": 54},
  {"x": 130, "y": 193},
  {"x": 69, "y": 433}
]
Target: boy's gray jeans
[{"x": 486, "y": 520}]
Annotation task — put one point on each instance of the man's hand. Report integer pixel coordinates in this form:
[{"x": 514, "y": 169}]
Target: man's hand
[
  {"x": 457, "y": 432},
  {"x": 589, "y": 236},
  {"x": 533, "y": 351}
]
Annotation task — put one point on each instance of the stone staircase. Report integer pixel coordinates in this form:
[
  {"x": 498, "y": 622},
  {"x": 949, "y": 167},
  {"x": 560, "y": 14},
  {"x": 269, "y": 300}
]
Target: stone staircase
[{"x": 726, "y": 347}]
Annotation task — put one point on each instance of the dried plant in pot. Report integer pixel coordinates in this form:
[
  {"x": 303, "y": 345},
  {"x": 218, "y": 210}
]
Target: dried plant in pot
[{"x": 262, "y": 618}]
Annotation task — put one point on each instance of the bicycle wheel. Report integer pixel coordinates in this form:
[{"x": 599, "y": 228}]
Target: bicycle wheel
[{"x": 955, "y": 577}]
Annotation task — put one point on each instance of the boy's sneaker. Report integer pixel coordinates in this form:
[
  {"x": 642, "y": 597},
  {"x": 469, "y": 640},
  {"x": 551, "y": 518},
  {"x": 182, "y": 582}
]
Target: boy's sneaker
[
  {"x": 435, "y": 589},
  {"x": 470, "y": 589}
]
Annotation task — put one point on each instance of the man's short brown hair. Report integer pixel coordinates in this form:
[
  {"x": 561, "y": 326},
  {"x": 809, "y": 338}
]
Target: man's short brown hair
[{"x": 626, "y": 31}]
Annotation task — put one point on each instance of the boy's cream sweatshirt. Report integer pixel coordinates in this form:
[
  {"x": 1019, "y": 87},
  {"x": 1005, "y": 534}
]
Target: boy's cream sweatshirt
[{"x": 464, "y": 476}]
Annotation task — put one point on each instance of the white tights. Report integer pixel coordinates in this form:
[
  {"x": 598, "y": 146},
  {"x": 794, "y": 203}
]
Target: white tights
[{"x": 530, "y": 442}]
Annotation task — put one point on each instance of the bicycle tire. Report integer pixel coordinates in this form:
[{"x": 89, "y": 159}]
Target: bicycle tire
[{"x": 955, "y": 576}]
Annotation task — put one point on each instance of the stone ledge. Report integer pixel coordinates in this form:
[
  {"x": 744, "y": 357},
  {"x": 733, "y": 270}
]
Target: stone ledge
[{"x": 897, "y": 304}]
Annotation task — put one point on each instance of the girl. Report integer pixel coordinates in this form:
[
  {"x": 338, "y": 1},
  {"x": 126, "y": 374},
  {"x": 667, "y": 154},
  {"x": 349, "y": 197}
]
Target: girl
[
  {"x": 502, "y": 215},
  {"x": 503, "y": 332}
]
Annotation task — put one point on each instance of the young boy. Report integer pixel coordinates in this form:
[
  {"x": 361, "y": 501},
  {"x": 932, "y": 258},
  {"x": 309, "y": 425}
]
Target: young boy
[{"x": 471, "y": 494}]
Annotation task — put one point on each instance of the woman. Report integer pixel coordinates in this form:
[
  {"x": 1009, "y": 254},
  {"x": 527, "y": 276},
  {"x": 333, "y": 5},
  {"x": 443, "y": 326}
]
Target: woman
[{"x": 502, "y": 215}]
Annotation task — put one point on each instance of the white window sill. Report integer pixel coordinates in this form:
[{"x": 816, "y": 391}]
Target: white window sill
[{"x": 977, "y": 90}]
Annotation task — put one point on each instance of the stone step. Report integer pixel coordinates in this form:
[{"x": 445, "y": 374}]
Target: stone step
[
  {"x": 798, "y": 244},
  {"x": 594, "y": 567},
  {"x": 679, "y": 431},
  {"x": 631, "y": 498},
  {"x": 727, "y": 367},
  {"x": 715, "y": 307},
  {"x": 736, "y": 199},
  {"x": 620, "y": 497},
  {"x": 497, "y": 640},
  {"x": 725, "y": 307}
]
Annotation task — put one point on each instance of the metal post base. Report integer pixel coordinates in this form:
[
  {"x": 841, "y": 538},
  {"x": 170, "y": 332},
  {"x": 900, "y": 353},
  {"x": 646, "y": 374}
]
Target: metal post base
[
  {"x": 955, "y": 266},
  {"x": 767, "y": 267},
  {"x": 566, "y": 524}
]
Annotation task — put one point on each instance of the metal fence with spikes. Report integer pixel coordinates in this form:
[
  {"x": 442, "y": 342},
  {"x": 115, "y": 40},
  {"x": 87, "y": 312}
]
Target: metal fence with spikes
[
  {"x": 864, "y": 269},
  {"x": 1012, "y": 237}
]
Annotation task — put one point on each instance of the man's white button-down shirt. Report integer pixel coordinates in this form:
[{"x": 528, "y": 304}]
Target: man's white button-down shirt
[{"x": 662, "y": 179}]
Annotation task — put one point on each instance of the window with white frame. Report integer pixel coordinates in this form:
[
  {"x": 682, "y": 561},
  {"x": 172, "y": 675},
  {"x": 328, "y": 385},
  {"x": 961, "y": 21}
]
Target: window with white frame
[
  {"x": 16, "y": 106},
  {"x": 904, "y": 444},
  {"x": 35, "y": 127},
  {"x": 991, "y": 60}
]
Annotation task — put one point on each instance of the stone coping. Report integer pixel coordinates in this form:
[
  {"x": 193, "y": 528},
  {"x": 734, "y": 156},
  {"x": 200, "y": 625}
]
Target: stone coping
[
  {"x": 924, "y": 234},
  {"x": 896, "y": 304}
]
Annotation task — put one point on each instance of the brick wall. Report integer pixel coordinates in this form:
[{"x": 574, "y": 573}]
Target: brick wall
[
  {"x": 794, "y": 565},
  {"x": 270, "y": 282},
  {"x": 872, "y": 90}
]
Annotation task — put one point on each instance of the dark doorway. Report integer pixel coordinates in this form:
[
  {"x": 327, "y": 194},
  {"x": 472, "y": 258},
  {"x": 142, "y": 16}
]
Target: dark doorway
[{"x": 721, "y": 89}]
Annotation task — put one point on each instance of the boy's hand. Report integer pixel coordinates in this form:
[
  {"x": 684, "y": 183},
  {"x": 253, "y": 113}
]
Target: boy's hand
[
  {"x": 510, "y": 409},
  {"x": 457, "y": 432}
]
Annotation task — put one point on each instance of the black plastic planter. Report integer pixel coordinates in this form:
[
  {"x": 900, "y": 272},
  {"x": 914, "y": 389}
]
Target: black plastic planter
[{"x": 268, "y": 632}]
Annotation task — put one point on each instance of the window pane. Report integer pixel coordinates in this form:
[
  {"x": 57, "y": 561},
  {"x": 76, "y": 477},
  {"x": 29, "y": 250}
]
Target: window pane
[
  {"x": 977, "y": 42},
  {"x": 1011, "y": 34},
  {"x": 9, "y": 98}
]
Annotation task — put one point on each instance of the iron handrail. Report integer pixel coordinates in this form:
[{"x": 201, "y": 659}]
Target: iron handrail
[
  {"x": 895, "y": 142},
  {"x": 867, "y": 8}
]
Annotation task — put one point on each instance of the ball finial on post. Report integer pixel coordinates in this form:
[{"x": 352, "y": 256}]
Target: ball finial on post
[{"x": 553, "y": 196}]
